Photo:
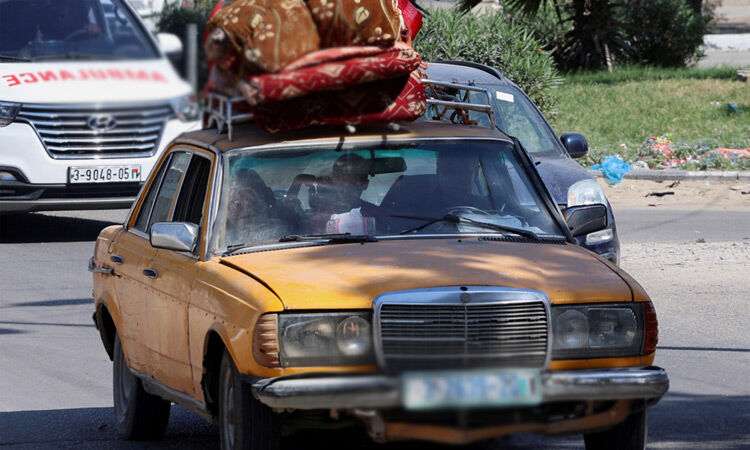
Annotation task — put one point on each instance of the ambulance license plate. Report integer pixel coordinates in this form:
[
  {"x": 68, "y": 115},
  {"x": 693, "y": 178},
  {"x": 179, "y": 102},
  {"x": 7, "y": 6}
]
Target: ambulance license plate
[{"x": 104, "y": 174}]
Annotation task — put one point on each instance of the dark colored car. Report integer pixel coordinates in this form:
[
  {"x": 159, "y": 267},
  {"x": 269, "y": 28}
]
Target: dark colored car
[{"x": 516, "y": 115}]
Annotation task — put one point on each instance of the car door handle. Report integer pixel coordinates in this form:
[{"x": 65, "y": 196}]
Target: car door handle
[
  {"x": 151, "y": 273},
  {"x": 117, "y": 259}
]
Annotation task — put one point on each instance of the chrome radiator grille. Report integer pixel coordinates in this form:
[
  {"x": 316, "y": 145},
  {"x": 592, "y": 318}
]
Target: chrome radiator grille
[
  {"x": 85, "y": 131},
  {"x": 448, "y": 336}
]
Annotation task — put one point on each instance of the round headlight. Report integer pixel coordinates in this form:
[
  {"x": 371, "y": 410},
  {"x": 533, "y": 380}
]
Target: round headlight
[
  {"x": 571, "y": 330},
  {"x": 354, "y": 336}
]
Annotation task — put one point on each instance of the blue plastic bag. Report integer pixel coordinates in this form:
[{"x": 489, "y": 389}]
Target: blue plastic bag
[{"x": 613, "y": 169}]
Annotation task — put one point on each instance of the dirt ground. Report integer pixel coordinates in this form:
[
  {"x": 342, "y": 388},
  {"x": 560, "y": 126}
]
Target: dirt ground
[{"x": 687, "y": 194}]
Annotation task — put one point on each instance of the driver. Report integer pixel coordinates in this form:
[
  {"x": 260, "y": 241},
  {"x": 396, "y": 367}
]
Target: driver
[
  {"x": 350, "y": 176},
  {"x": 69, "y": 18}
]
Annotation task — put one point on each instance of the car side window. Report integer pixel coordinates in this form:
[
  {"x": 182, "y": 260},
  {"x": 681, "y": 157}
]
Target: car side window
[
  {"x": 189, "y": 207},
  {"x": 169, "y": 186},
  {"x": 141, "y": 222}
]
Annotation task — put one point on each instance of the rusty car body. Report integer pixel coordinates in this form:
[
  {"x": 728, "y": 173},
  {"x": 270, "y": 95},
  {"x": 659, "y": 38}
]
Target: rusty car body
[{"x": 390, "y": 328}]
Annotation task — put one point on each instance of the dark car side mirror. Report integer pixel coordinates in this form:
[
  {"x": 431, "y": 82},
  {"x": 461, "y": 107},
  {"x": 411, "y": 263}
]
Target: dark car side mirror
[
  {"x": 575, "y": 144},
  {"x": 586, "y": 219}
]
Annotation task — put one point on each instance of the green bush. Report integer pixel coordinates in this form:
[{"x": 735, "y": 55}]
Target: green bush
[
  {"x": 175, "y": 18},
  {"x": 664, "y": 33},
  {"x": 492, "y": 40}
]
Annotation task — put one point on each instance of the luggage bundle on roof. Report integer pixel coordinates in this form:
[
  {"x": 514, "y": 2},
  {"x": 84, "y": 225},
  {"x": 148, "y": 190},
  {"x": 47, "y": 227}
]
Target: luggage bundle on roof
[{"x": 297, "y": 63}]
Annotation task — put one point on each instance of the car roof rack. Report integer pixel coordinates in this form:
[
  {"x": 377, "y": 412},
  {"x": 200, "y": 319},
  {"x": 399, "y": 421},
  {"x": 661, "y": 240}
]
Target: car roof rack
[
  {"x": 445, "y": 101},
  {"x": 222, "y": 112},
  {"x": 442, "y": 96}
]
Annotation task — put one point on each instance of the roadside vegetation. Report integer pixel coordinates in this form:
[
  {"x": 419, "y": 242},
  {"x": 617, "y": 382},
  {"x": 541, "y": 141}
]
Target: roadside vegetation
[
  {"x": 696, "y": 110},
  {"x": 490, "y": 39}
]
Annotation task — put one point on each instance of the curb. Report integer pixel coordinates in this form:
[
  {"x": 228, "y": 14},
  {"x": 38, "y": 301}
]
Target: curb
[{"x": 668, "y": 174}]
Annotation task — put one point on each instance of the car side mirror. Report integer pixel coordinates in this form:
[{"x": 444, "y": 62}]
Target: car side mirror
[
  {"x": 170, "y": 44},
  {"x": 586, "y": 219},
  {"x": 178, "y": 236},
  {"x": 575, "y": 144}
]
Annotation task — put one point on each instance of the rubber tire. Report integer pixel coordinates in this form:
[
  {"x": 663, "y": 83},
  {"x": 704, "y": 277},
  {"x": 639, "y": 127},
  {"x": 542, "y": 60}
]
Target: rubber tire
[
  {"x": 255, "y": 425},
  {"x": 139, "y": 415},
  {"x": 631, "y": 434}
]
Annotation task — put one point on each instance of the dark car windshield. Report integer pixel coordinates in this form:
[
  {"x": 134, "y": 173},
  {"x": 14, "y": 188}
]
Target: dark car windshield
[
  {"x": 378, "y": 190},
  {"x": 37, "y": 30},
  {"x": 515, "y": 115}
]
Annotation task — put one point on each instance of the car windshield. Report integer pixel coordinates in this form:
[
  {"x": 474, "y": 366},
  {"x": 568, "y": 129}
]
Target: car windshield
[
  {"x": 427, "y": 187},
  {"x": 36, "y": 30},
  {"x": 515, "y": 115}
]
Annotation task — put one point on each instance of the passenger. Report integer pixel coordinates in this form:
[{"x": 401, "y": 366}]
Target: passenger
[{"x": 253, "y": 214}]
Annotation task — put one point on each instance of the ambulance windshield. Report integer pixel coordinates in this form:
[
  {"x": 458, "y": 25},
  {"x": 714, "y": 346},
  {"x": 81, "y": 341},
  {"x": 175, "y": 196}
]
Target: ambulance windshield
[{"x": 57, "y": 30}]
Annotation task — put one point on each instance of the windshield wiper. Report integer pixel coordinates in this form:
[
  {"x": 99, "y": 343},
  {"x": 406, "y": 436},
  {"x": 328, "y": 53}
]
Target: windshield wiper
[
  {"x": 14, "y": 58},
  {"x": 452, "y": 218},
  {"x": 340, "y": 238}
]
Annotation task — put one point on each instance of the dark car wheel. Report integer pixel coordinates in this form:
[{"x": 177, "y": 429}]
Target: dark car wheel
[
  {"x": 139, "y": 415},
  {"x": 244, "y": 422},
  {"x": 628, "y": 435}
]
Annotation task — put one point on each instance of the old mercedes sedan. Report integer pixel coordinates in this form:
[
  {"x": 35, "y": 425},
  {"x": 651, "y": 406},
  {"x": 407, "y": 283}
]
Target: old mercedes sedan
[{"x": 417, "y": 280}]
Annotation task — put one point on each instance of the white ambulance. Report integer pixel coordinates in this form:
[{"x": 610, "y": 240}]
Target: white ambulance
[{"x": 88, "y": 100}]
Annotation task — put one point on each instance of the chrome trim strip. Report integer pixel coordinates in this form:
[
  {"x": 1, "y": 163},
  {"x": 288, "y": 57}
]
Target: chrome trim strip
[
  {"x": 156, "y": 387},
  {"x": 383, "y": 391},
  {"x": 603, "y": 384},
  {"x": 364, "y": 141},
  {"x": 450, "y": 295}
]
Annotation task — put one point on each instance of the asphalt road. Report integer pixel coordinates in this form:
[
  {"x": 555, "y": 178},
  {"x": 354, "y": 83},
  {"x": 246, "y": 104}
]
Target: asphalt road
[{"x": 55, "y": 378}]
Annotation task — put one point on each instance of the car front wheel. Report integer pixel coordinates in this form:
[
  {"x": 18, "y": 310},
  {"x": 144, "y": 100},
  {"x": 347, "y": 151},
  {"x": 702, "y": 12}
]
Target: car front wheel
[
  {"x": 629, "y": 435},
  {"x": 244, "y": 422},
  {"x": 139, "y": 415}
]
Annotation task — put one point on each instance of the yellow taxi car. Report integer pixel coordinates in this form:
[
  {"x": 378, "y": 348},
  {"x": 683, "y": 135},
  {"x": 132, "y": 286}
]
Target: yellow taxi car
[{"x": 418, "y": 279}]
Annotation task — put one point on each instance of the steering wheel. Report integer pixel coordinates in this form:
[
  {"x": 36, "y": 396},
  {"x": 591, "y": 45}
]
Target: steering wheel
[{"x": 76, "y": 35}]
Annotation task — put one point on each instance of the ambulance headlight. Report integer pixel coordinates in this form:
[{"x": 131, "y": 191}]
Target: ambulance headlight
[{"x": 8, "y": 112}]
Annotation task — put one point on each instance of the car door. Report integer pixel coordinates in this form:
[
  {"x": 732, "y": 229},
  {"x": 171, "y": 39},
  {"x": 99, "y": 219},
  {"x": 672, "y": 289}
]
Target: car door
[
  {"x": 173, "y": 275},
  {"x": 132, "y": 254}
]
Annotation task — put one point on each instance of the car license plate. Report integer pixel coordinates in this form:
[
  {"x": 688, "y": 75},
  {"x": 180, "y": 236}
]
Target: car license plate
[
  {"x": 104, "y": 174},
  {"x": 507, "y": 387}
]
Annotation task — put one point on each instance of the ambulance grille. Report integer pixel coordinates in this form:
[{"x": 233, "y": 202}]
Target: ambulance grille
[
  {"x": 78, "y": 132},
  {"x": 445, "y": 336}
]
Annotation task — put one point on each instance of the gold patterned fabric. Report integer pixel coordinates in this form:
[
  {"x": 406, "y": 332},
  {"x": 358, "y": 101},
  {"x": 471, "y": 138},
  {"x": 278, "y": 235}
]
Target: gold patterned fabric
[
  {"x": 356, "y": 22},
  {"x": 268, "y": 34}
]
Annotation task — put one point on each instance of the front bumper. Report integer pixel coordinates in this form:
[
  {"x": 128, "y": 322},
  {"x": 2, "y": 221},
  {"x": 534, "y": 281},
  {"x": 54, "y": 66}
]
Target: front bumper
[{"x": 383, "y": 391}]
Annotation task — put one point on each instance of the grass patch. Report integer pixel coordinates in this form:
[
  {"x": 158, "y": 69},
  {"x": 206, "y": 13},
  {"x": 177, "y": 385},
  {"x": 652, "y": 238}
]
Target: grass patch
[
  {"x": 646, "y": 73},
  {"x": 619, "y": 111}
]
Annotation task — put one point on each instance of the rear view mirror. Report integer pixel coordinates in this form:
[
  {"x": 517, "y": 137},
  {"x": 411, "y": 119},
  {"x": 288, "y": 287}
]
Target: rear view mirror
[
  {"x": 391, "y": 164},
  {"x": 177, "y": 236},
  {"x": 170, "y": 44},
  {"x": 575, "y": 144},
  {"x": 586, "y": 219}
]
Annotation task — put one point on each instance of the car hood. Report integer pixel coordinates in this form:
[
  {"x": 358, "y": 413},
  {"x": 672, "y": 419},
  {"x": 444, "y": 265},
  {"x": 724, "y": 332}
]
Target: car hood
[
  {"x": 352, "y": 275},
  {"x": 90, "y": 82},
  {"x": 559, "y": 174}
]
